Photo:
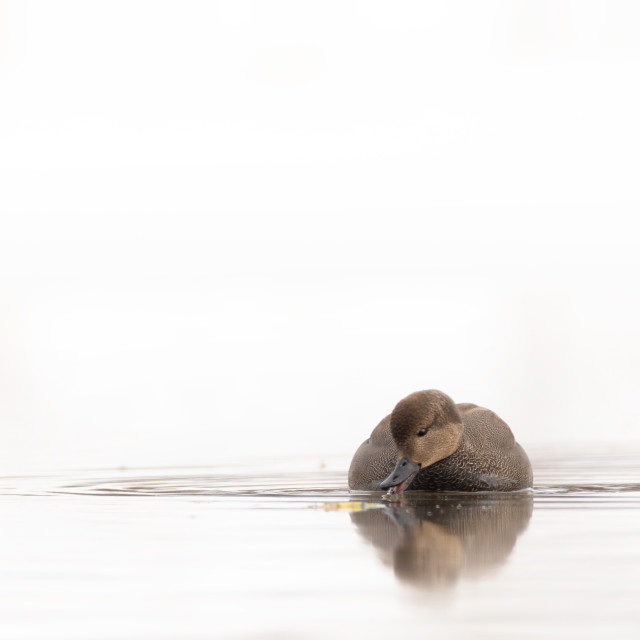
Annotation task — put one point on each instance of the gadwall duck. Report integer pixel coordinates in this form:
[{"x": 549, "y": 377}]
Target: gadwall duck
[{"x": 429, "y": 443}]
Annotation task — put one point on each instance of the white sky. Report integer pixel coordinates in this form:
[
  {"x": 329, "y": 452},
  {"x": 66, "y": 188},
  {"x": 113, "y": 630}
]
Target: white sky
[{"x": 247, "y": 228}]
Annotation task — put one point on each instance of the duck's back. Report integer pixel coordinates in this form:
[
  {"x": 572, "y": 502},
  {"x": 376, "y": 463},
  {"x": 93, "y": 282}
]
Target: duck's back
[
  {"x": 374, "y": 460},
  {"x": 488, "y": 459}
]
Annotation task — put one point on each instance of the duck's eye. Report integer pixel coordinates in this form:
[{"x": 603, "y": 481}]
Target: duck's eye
[{"x": 422, "y": 431}]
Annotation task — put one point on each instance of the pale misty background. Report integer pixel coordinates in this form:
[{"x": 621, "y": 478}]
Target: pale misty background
[{"x": 240, "y": 229}]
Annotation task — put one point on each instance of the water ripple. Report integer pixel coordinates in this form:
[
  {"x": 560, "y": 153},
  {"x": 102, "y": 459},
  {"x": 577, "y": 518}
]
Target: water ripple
[{"x": 568, "y": 482}]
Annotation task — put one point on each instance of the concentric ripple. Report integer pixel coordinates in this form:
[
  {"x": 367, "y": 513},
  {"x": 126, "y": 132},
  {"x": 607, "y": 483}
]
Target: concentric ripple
[{"x": 306, "y": 486}]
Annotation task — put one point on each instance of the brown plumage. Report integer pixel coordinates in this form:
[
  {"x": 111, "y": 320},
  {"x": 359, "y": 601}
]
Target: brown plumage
[{"x": 456, "y": 447}]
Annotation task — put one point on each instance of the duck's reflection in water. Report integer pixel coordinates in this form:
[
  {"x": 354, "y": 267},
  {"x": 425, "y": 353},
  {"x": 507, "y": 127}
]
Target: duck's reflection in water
[{"x": 434, "y": 540}]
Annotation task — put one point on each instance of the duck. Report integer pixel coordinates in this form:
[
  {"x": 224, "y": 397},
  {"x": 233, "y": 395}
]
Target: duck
[{"x": 430, "y": 443}]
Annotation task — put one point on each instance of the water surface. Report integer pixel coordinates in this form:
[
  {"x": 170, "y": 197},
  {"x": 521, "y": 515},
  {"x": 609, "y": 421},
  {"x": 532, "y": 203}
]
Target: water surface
[{"x": 281, "y": 549}]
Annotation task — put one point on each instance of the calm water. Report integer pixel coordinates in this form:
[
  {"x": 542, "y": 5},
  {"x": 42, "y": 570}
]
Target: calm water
[{"x": 282, "y": 550}]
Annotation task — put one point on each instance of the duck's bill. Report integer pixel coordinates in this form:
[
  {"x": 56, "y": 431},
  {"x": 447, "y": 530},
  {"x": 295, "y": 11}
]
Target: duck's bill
[{"x": 400, "y": 478}]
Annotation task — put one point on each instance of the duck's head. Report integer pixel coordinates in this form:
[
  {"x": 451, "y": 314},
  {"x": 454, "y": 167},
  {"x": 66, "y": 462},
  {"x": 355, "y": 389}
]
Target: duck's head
[{"x": 426, "y": 427}]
